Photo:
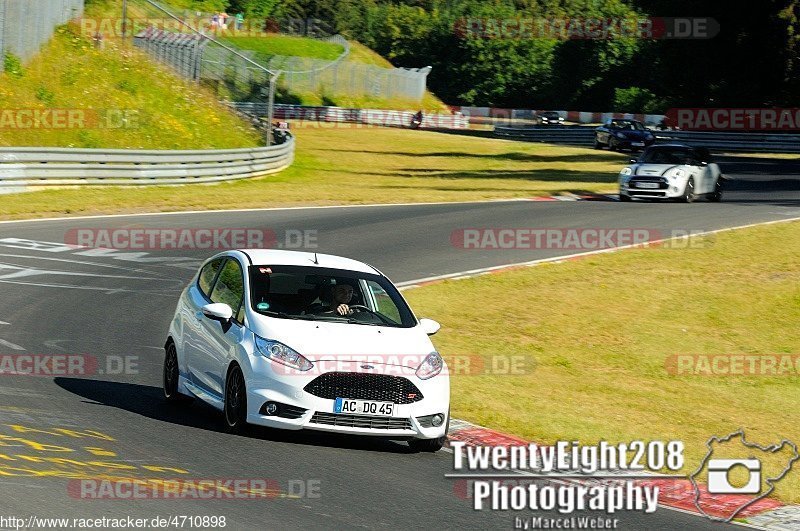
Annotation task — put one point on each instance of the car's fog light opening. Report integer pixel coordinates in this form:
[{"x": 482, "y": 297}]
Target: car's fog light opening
[
  {"x": 431, "y": 421},
  {"x": 277, "y": 409}
]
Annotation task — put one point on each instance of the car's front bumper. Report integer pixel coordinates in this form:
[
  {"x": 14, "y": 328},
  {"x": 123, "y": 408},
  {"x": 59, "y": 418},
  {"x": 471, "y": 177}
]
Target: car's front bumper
[
  {"x": 641, "y": 187},
  {"x": 300, "y": 409}
]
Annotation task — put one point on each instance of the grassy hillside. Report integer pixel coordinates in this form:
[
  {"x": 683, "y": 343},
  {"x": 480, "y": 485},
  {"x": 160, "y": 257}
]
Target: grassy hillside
[
  {"x": 287, "y": 45},
  {"x": 111, "y": 97},
  {"x": 273, "y": 44}
]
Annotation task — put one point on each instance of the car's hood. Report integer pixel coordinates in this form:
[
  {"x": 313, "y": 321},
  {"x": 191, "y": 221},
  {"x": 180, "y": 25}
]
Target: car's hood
[
  {"x": 654, "y": 170},
  {"x": 632, "y": 134},
  {"x": 319, "y": 340}
]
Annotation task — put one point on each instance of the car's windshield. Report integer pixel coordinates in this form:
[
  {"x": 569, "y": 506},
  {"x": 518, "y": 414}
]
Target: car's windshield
[
  {"x": 627, "y": 125},
  {"x": 550, "y": 114},
  {"x": 317, "y": 293},
  {"x": 667, "y": 155}
]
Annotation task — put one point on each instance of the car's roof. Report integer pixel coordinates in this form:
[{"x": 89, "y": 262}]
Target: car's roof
[{"x": 280, "y": 257}]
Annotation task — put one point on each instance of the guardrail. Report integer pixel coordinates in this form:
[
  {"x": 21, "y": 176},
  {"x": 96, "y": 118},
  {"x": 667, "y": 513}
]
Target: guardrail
[
  {"x": 40, "y": 166},
  {"x": 377, "y": 117},
  {"x": 730, "y": 142}
]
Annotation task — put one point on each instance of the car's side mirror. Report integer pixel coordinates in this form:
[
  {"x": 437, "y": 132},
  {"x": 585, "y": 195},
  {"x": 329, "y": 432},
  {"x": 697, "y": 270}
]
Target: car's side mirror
[
  {"x": 703, "y": 163},
  {"x": 218, "y": 311},
  {"x": 633, "y": 161},
  {"x": 429, "y": 326}
]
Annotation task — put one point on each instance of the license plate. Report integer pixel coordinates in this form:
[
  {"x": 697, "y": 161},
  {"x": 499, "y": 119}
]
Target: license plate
[
  {"x": 637, "y": 144},
  {"x": 363, "y": 407},
  {"x": 646, "y": 185}
]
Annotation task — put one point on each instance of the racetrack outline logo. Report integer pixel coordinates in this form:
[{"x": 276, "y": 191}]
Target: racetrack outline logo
[{"x": 773, "y": 448}]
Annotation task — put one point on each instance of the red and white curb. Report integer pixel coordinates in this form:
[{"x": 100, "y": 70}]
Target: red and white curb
[
  {"x": 569, "y": 196},
  {"x": 677, "y": 494}
]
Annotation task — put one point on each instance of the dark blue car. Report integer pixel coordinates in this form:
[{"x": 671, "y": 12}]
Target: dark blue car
[{"x": 619, "y": 134}]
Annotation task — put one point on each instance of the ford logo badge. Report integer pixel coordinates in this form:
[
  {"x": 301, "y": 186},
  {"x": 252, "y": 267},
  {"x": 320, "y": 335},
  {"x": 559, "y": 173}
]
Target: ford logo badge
[{"x": 367, "y": 367}]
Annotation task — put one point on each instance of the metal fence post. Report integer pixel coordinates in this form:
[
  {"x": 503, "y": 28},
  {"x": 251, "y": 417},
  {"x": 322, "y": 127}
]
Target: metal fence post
[{"x": 2, "y": 34}]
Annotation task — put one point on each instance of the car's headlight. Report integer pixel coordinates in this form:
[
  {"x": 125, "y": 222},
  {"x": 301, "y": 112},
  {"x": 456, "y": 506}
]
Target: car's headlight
[
  {"x": 626, "y": 171},
  {"x": 430, "y": 366},
  {"x": 280, "y": 353}
]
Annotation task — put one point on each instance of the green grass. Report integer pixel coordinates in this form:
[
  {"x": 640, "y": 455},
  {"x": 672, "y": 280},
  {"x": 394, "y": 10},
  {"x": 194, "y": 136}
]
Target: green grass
[
  {"x": 363, "y": 54},
  {"x": 358, "y": 166},
  {"x": 595, "y": 343},
  {"x": 161, "y": 109},
  {"x": 273, "y": 44}
]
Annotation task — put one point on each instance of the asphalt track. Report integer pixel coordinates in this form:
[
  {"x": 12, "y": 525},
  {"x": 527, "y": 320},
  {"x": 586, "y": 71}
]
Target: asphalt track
[{"x": 57, "y": 300}]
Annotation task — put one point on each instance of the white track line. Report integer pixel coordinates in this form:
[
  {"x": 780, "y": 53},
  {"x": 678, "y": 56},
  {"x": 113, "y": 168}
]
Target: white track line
[
  {"x": 409, "y": 284},
  {"x": 269, "y": 209}
]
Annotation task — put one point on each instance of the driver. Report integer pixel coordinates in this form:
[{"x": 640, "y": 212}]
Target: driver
[{"x": 342, "y": 295}]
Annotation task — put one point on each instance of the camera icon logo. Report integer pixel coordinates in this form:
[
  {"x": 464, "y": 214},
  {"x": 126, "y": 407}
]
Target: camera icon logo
[
  {"x": 719, "y": 476},
  {"x": 736, "y": 483}
]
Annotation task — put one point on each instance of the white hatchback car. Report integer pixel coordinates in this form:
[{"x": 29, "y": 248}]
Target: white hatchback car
[
  {"x": 671, "y": 171},
  {"x": 299, "y": 340}
]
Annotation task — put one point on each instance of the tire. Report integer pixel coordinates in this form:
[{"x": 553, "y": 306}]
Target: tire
[
  {"x": 688, "y": 192},
  {"x": 613, "y": 145},
  {"x": 431, "y": 445},
  {"x": 597, "y": 144},
  {"x": 716, "y": 195},
  {"x": 624, "y": 198},
  {"x": 170, "y": 376},
  {"x": 235, "y": 409}
]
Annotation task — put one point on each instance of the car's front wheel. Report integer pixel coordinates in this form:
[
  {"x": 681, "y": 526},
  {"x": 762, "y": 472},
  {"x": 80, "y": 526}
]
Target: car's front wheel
[
  {"x": 624, "y": 198},
  {"x": 613, "y": 145},
  {"x": 597, "y": 144},
  {"x": 235, "y": 400},
  {"x": 688, "y": 192}
]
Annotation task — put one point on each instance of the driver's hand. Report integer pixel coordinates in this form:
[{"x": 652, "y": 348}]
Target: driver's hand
[{"x": 343, "y": 309}]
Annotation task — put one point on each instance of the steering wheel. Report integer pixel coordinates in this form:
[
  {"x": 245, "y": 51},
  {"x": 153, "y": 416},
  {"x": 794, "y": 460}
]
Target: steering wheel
[{"x": 373, "y": 312}]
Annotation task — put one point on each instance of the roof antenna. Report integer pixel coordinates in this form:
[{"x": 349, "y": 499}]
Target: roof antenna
[{"x": 316, "y": 261}]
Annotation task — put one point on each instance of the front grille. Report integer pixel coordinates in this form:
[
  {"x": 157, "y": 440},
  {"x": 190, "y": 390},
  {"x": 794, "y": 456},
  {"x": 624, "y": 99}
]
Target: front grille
[
  {"x": 648, "y": 193},
  {"x": 361, "y": 421},
  {"x": 364, "y": 386}
]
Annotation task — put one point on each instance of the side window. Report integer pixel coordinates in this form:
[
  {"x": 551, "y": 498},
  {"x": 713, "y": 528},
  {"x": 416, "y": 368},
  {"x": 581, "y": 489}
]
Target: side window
[
  {"x": 386, "y": 306},
  {"x": 207, "y": 276},
  {"x": 230, "y": 288}
]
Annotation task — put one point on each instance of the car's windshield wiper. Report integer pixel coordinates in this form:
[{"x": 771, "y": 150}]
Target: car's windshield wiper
[{"x": 288, "y": 316}]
